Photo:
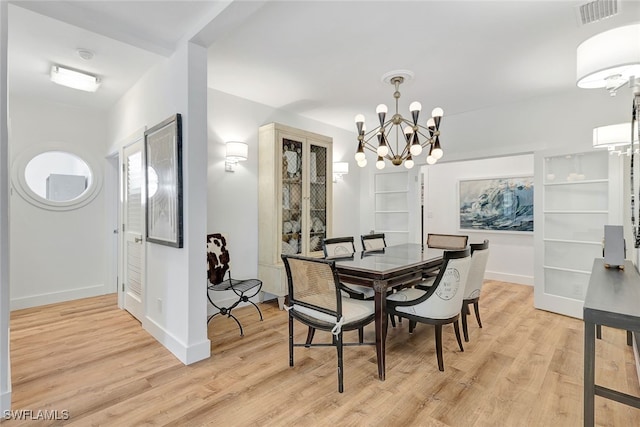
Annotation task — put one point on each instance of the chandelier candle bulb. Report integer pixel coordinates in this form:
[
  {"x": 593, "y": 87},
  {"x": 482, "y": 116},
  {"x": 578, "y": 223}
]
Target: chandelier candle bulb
[
  {"x": 408, "y": 163},
  {"x": 416, "y": 137},
  {"x": 383, "y": 148}
]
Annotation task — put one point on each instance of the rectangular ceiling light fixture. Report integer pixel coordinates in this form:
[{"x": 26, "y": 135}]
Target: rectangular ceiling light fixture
[{"x": 74, "y": 79}]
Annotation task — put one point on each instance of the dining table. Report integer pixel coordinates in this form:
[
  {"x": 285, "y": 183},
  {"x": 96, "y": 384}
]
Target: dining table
[{"x": 383, "y": 269}]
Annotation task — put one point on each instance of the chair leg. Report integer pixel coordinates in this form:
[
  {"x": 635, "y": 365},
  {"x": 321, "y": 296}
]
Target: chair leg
[
  {"x": 339, "y": 348},
  {"x": 465, "y": 329},
  {"x": 412, "y": 325},
  {"x": 290, "y": 340},
  {"x": 476, "y": 309},
  {"x": 237, "y": 321},
  {"x": 392, "y": 318},
  {"x": 456, "y": 328},
  {"x": 310, "y": 335},
  {"x": 361, "y": 335},
  {"x": 439, "y": 347},
  {"x": 257, "y": 308}
]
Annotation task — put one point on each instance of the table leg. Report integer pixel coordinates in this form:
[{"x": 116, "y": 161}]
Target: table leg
[
  {"x": 589, "y": 373},
  {"x": 380, "y": 299}
]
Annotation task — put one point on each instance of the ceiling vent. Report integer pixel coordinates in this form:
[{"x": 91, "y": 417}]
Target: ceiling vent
[{"x": 596, "y": 10}]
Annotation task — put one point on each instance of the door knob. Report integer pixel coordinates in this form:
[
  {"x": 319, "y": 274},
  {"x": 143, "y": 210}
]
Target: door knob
[{"x": 138, "y": 239}]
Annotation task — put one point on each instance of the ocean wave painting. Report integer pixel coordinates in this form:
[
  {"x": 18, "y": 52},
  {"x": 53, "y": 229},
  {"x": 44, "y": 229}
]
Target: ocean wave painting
[{"x": 497, "y": 204}]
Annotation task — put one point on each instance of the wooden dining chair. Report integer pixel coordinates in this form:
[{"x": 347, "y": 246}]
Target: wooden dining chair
[
  {"x": 316, "y": 300},
  {"x": 479, "y": 257},
  {"x": 373, "y": 241},
  {"x": 443, "y": 241},
  {"x": 438, "y": 305},
  {"x": 447, "y": 241},
  {"x": 344, "y": 247}
]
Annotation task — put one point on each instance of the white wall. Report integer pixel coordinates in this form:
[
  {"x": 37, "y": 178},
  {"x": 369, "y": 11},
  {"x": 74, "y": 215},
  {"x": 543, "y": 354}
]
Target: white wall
[
  {"x": 56, "y": 255},
  {"x": 512, "y": 254},
  {"x": 233, "y": 197},
  {"x": 546, "y": 122},
  {"x": 5, "y": 365},
  {"x": 175, "y": 303}
]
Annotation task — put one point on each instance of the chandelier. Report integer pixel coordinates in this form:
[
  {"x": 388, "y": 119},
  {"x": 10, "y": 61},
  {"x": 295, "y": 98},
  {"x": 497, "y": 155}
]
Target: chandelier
[{"x": 410, "y": 137}]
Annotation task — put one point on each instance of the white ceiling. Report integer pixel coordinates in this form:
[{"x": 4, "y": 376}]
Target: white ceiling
[{"x": 320, "y": 59}]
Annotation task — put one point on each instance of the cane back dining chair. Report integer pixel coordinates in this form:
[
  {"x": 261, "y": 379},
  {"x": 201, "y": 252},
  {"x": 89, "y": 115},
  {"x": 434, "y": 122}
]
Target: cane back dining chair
[
  {"x": 479, "y": 257},
  {"x": 344, "y": 247},
  {"x": 443, "y": 241},
  {"x": 316, "y": 300},
  {"x": 372, "y": 242},
  {"x": 438, "y": 305},
  {"x": 447, "y": 241},
  {"x": 218, "y": 267}
]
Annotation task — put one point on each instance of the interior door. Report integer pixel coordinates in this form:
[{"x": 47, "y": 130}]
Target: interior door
[{"x": 132, "y": 227}]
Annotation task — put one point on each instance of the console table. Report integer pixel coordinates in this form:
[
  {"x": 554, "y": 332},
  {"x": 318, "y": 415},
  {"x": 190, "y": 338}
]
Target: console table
[{"x": 613, "y": 299}]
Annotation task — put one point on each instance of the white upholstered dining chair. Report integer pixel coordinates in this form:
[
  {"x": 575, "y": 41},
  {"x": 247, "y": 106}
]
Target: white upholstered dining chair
[
  {"x": 439, "y": 304},
  {"x": 479, "y": 257}
]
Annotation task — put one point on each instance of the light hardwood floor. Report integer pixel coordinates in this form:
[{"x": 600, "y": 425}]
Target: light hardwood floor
[{"x": 524, "y": 368}]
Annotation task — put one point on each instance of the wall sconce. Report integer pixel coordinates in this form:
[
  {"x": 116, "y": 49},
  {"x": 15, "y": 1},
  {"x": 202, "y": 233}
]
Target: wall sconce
[
  {"x": 614, "y": 138},
  {"x": 236, "y": 152},
  {"x": 609, "y": 59},
  {"x": 339, "y": 169}
]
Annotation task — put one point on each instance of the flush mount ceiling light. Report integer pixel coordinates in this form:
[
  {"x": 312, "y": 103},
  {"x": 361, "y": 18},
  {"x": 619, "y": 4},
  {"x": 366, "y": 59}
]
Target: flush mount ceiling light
[
  {"x": 609, "y": 59},
  {"x": 74, "y": 79},
  {"x": 407, "y": 143}
]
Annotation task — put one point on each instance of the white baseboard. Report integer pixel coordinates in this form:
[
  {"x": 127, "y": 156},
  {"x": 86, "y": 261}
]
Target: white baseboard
[
  {"x": 5, "y": 401},
  {"x": 186, "y": 354},
  {"x": 511, "y": 278},
  {"x": 55, "y": 297}
]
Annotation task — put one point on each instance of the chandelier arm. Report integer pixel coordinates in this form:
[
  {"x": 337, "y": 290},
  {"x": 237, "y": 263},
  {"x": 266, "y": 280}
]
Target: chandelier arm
[
  {"x": 368, "y": 136},
  {"x": 429, "y": 139}
]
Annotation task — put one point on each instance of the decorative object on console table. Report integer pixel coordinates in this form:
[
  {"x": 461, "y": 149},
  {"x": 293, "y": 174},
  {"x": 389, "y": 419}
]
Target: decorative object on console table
[
  {"x": 163, "y": 144},
  {"x": 614, "y": 249},
  {"x": 496, "y": 204}
]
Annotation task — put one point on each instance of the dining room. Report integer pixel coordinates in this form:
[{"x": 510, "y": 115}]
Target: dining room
[{"x": 534, "y": 136}]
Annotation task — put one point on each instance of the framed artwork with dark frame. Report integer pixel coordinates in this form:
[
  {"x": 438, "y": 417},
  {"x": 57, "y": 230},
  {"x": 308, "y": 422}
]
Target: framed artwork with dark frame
[
  {"x": 163, "y": 155},
  {"x": 496, "y": 204}
]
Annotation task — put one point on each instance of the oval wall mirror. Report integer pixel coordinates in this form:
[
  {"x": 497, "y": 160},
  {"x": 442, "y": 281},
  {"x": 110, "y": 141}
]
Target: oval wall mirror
[
  {"x": 58, "y": 176},
  {"x": 56, "y": 179}
]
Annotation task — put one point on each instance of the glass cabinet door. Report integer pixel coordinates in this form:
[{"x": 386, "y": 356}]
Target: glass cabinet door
[
  {"x": 317, "y": 220},
  {"x": 291, "y": 197}
]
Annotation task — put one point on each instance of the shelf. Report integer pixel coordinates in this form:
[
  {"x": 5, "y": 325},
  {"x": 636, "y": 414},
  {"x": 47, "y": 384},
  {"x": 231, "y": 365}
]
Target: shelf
[
  {"x": 388, "y": 212},
  {"x": 390, "y": 192},
  {"x": 580, "y": 242},
  {"x": 588, "y": 181},
  {"x": 576, "y": 212},
  {"x": 548, "y": 267}
]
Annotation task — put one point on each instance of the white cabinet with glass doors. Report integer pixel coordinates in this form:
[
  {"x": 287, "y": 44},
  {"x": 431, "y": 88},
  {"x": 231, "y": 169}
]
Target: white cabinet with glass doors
[{"x": 294, "y": 199}]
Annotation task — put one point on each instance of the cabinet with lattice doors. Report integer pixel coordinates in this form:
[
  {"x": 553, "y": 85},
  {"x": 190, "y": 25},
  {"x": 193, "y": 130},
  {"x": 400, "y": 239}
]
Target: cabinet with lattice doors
[{"x": 294, "y": 200}]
